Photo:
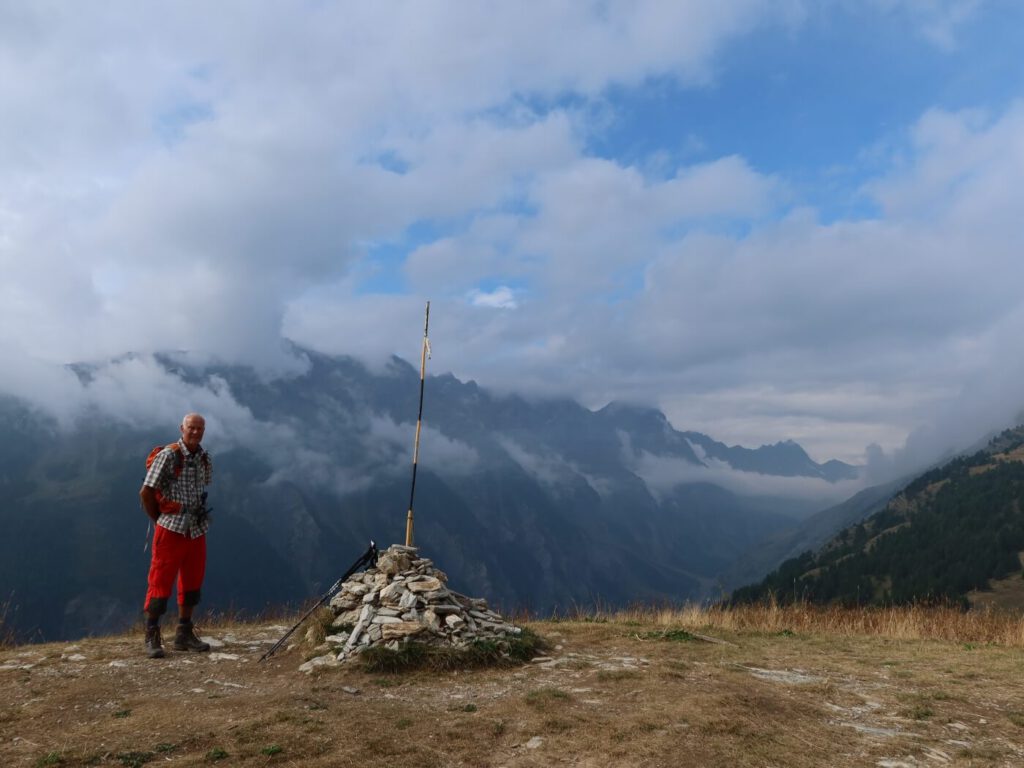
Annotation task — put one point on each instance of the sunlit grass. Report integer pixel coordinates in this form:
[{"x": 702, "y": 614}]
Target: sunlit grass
[{"x": 916, "y": 622}]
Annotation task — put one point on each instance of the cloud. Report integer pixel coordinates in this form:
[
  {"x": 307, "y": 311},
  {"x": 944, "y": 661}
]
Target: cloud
[
  {"x": 209, "y": 179},
  {"x": 501, "y": 297},
  {"x": 937, "y": 21},
  {"x": 551, "y": 470},
  {"x": 391, "y": 446},
  {"x": 662, "y": 474}
]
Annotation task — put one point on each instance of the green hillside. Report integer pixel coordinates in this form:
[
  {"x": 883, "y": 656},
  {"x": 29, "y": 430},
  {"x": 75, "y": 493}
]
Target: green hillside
[{"x": 951, "y": 531}]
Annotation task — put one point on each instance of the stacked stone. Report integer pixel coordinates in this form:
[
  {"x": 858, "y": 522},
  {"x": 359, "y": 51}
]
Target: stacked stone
[{"x": 404, "y": 598}]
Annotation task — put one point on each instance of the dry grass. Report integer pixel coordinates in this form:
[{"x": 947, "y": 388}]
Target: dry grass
[
  {"x": 985, "y": 625},
  {"x": 6, "y": 631},
  {"x": 754, "y": 686}
]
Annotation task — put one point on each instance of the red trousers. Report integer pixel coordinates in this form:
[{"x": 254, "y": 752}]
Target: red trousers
[{"x": 175, "y": 555}]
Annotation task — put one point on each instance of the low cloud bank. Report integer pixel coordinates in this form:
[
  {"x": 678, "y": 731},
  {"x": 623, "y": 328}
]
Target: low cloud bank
[{"x": 663, "y": 474}]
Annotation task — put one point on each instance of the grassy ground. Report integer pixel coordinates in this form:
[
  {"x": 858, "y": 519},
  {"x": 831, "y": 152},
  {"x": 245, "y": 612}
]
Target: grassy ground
[{"x": 761, "y": 686}]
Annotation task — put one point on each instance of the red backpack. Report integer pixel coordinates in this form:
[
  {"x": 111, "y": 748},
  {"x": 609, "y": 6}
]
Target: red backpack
[{"x": 168, "y": 507}]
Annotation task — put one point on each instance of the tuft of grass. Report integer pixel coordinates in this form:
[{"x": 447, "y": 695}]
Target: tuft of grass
[
  {"x": 415, "y": 655},
  {"x": 526, "y": 645},
  {"x": 317, "y": 627},
  {"x": 216, "y": 754},
  {"x": 51, "y": 758},
  {"x": 544, "y": 698},
  {"x": 409, "y": 657},
  {"x": 122, "y": 713},
  {"x": 921, "y": 712},
  {"x": 672, "y": 635},
  {"x": 7, "y": 636},
  {"x": 272, "y": 750},
  {"x": 403, "y": 722},
  {"x": 558, "y": 725},
  {"x": 164, "y": 747},
  {"x": 135, "y": 759}
]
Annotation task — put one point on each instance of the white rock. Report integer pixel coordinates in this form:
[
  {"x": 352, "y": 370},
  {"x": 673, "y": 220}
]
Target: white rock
[
  {"x": 346, "y": 617},
  {"x": 424, "y": 584},
  {"x": 392, "y": 592},
  {"x": 319, "y": 661},
  {"x": 401, "y": 629},
  {"x": 392, "y": 563},
  {"x": 535, "y": 742}
]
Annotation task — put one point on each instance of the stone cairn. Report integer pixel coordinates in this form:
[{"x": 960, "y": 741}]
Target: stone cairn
[{"x": 403, "y": 599}]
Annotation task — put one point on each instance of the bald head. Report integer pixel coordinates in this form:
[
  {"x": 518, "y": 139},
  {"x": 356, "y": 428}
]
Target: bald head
[{"x": 192, "y": 428}]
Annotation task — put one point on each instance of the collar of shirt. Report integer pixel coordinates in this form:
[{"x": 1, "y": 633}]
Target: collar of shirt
[{"x": 187, "y": 453}]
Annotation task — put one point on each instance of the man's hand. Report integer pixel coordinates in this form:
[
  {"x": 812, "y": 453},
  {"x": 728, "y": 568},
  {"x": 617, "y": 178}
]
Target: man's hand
[{"x": 149, "y": 503}]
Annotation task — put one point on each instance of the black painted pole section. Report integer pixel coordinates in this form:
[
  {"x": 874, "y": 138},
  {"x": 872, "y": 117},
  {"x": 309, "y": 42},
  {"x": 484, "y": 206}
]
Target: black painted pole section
[{"x": 419, "y": 424}]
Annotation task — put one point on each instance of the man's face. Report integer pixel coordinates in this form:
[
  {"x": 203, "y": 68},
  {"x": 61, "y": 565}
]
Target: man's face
[{"x": 192, "y": 432}]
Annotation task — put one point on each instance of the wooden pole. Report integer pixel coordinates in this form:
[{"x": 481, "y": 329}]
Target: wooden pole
[{"x": 419, "y": 423}]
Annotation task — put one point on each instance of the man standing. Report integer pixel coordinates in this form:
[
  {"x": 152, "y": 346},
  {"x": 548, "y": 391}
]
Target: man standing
[{"x": 173, "y": 496}]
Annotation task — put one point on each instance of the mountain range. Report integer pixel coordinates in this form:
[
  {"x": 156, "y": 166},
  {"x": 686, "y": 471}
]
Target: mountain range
[{"x": 540, "y": 505}]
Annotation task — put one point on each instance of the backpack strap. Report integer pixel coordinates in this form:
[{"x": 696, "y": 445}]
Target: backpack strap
[{"x": 179, "y": 460}]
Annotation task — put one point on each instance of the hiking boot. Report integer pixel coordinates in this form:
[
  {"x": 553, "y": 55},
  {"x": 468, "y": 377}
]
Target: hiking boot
[
  {"x": 154, "y": 648},
  {"x": 185, "y": 639}
]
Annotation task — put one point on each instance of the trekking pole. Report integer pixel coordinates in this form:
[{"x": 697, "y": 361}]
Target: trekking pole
[
  {"x": 369, "y": 556},
  {"x": 424, "y": 354}
]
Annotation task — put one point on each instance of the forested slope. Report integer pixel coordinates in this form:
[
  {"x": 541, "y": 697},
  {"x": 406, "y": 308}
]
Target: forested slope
[{"x": 951, "y": 530}]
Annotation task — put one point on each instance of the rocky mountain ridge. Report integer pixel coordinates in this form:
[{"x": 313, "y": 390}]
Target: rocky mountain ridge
[{"x": 542, "y": 505}]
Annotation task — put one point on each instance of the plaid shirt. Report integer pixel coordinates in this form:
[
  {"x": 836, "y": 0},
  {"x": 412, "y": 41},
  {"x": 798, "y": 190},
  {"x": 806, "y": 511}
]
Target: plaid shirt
[{"x": 186, "y": 488}]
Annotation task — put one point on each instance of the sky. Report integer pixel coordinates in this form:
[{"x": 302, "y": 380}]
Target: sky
[{"x": 771, "y": 219}]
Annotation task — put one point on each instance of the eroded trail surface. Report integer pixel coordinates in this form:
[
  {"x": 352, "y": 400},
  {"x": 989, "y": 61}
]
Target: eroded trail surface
[{"x": 604, "y": 695}]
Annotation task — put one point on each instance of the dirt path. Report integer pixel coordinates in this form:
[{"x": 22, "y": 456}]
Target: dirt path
[{"x": 606, "y": 695}]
